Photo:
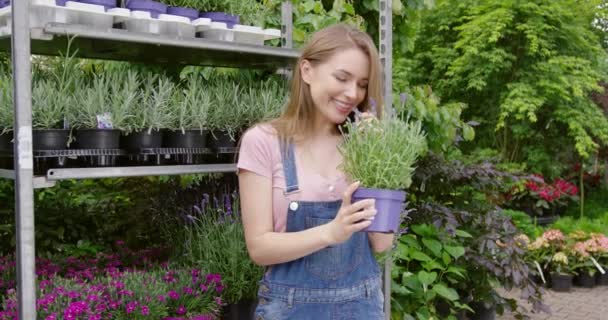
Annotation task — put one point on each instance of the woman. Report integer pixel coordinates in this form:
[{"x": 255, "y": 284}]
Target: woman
[{"x": 296, "y": 204}]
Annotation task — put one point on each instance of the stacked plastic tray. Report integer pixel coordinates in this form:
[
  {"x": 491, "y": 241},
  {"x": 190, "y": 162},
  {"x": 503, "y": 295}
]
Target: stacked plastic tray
[{"x": 141, "y": 17}]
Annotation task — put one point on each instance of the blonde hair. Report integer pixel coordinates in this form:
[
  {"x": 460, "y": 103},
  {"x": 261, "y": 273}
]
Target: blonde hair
[{"x": 297, "y": 118}]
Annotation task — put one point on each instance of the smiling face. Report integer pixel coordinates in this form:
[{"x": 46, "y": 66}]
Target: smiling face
[{"x": 337, "y": 85}]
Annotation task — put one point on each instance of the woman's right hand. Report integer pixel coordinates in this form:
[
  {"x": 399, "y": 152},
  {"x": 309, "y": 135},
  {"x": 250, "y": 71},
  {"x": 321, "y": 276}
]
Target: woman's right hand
[{"x": 352, "y": 217}]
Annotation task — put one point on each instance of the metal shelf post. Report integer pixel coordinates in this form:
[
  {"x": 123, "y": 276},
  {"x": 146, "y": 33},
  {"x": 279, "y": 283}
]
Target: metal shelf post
[
  {"x": 24, "y": 163},
  {"x": 386, "y": 59}
]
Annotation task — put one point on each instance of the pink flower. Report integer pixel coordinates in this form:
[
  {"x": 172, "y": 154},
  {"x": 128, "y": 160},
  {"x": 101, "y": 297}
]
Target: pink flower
[
  {"x": 173, "y": 295},
  {"x": 553, "y": 235},
  {"x": 181, "y": 310},
  {"x": 145, "y": 311}
]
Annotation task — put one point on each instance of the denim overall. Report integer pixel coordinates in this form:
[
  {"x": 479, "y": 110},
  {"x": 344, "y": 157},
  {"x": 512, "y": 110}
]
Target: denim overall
[{"x": 335, "y": 283}]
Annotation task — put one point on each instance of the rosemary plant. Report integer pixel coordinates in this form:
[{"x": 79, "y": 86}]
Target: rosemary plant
[
  {"x": 382, "y": 153},
  {"x": 6, "y": 102},
  {"x": 192, "y": 105}
]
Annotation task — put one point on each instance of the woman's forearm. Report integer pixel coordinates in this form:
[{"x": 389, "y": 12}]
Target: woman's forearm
[
  {"x": 381, "y": 241},
  {"x": 278, "y": 247}
]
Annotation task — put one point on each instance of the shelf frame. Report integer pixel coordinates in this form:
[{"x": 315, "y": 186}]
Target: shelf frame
[{"x": 123, "y": 45}]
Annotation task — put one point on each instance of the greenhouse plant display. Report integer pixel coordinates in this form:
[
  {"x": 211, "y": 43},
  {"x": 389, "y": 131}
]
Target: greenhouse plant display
[
  {"x": 102, "y": 110},
  {"x": 190, "y": 115},
  {"x": 381, "y": 155},
  {"x": 150, "y": 111},
  {"x": 48, "y": 114},
  {"x": 227, "y": 117}
]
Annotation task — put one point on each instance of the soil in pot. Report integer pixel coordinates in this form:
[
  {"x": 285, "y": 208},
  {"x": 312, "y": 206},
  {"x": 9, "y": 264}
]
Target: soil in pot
[
  {"x": 6, "y": 141},
  {"x": 50, "y": 139},
  {"x": 389, "y": 204},
  {"x": 221, "y": 140},
  {"x": 97, "y": 139},
  {"x": 243, "y": 310},
  {"x": 585, "y": 280},
  {"x": 142, "y": 140},
  {"x": 561, "y": 282},
  {"x": 601, "y": 279},
  {"x": 187, "y": 139}
]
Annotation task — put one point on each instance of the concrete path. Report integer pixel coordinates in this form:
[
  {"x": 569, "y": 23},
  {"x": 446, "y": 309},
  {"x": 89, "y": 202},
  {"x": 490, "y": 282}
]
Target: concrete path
[{"x": 578, "y": 304}]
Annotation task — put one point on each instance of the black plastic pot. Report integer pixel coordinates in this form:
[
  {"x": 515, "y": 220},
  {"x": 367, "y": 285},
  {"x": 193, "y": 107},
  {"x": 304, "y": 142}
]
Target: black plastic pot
[
  {"x": 243, "y": 310},
  {"x": 561, "y": 282},
  {"x": 187, "y": 139},
  {"x": 142, "y": 140},
  {"x": 601, "y": 279},
  {"x": 481, "y": 311},
  {"x": 221, "y": 139},
  {"x": 97, "y": 139},
  {"x": 50, "y": 139},
  {"x": 585, "y": 280},
  {"x": 6, "y": 141}
]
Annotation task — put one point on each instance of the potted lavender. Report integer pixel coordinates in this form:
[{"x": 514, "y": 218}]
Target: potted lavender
[
  {"x": 189, "y": 121},
  {"x": 149, "y": 113},
  {"x": 381, "y": 155}
]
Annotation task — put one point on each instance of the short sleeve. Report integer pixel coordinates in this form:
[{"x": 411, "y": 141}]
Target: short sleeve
[{"x": 255, "y": 153}]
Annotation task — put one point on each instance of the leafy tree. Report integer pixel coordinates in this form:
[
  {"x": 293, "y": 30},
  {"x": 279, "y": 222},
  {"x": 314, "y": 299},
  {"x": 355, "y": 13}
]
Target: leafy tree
[{"x": 525, "y": 68}]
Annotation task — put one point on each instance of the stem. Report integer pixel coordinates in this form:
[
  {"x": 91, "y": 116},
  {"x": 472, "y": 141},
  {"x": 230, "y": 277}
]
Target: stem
[{"x": 582, "y": 187}]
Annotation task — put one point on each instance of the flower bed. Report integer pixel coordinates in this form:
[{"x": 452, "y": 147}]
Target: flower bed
[{"x": 124, "y": 285}]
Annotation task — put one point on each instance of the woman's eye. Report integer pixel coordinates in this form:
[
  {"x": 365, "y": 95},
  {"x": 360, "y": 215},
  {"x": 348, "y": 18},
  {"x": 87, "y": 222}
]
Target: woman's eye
[{"x": 341, "y": 79}]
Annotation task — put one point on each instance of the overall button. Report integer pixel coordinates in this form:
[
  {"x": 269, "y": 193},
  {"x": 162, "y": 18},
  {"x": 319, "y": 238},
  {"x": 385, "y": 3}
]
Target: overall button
[
  {"x": 331, "y": 188},
  {"x": 293, "y": 206}
]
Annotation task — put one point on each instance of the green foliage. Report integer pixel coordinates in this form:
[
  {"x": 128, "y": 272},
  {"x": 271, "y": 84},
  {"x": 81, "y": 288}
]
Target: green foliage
[
  {"x": 522, "y": 221},
  {"x": 525, "y": 68},
  {"x": 6, "y": 101},
  {"x": 87, "y": 214},
  {"x": 214, "y": 239},
  {"x": 596, "y": 204},
  {"x": 191, "y": 104},
  {"x": 382, "y": 153},
  {"x": 441, "y": 123},
  {"x": 407, "y": 20},
  {"x": 569, "y": 225},
  {"x": 250, "y": 11},
  {"x": 425, "y": 273},
  {"x": 312, "y": 15}
]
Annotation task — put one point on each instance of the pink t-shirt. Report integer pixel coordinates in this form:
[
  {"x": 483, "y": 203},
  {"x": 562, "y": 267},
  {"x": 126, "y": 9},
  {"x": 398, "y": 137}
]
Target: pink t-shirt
[{"x": 260, "y": 154}]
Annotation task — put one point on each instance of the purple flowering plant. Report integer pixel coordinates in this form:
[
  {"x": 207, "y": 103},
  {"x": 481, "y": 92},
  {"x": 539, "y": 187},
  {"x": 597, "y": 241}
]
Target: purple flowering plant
[
  {"x": 214, "y": 238},
  {"x": 105, "y": 287}
]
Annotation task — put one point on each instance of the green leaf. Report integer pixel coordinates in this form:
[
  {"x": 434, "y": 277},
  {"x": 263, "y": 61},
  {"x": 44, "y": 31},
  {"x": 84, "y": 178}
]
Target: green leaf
[
  {"x": 445, "y": 292},
  {"x": 468, "y": 132},
  {"x": 349, "y": 9},
  {"x": 433, "y": 245},
  {"x": 426, "y": 278},
  {"x": 457, "y": 271},
  {"x": 455, "y": 252},
  {"x": 463, "y": 234},
  {"x": 420, "y": 256}
]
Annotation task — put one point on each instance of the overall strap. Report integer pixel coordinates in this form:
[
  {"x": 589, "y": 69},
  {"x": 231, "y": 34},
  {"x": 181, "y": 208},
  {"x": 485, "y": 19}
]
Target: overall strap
[{"x": 289, "y": 167}]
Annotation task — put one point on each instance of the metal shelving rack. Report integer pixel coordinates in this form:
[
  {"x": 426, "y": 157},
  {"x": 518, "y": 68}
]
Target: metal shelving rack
[{"x": 117, "y": 44}]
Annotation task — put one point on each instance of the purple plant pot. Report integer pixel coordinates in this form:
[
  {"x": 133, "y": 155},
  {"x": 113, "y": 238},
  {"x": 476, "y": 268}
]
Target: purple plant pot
[
  {"x": 190, "y": 13},
  {"x": 229, "y": 19},
  {"x": 389, "y": 204},
  {"x": 5, "y": 3},
  {"x": 61, "y": 2},
  {"x": 107, "y": 4},
  {"x": 154, "y": 7}
]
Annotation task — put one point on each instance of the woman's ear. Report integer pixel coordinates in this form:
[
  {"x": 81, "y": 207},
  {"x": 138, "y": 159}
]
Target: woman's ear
[{"x": 306, "y": 71}]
